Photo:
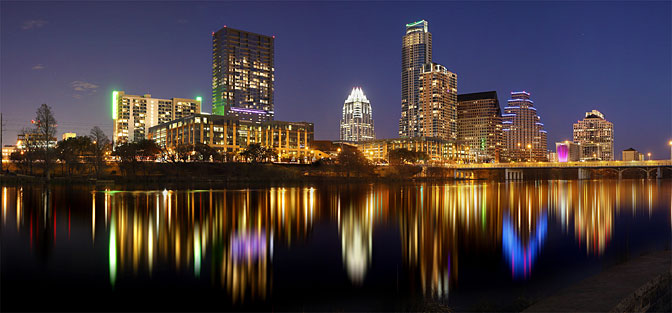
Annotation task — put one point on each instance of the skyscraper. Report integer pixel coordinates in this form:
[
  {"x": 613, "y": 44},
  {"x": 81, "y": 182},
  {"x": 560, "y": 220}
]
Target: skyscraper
[
  {"x": 357, "y": 121},
  {"x": 595, "y": 135},
  {"x": 134, "y": 115},
  {"x": 479, "y": 125},
  {"x": 437, "y": 114},
  {"x": 524, "y": 134},
  {"x": 242, "y": 74},
  {"x": 416, "y": 51}
]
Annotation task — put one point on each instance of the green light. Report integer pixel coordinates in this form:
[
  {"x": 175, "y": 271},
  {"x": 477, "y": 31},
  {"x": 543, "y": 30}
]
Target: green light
[
  {"x": 199, "y": 99},
  {"x": 112, "y": 254},
  {"x": 115, "y": 94},
  {"x": 414, "y": 23}
]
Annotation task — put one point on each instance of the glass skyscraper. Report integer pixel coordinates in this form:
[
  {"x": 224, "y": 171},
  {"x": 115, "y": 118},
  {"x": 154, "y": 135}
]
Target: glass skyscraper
[
  {"x": 479, "y": 124},
  {"x": 524, "y": 134},
  {"x": 242, "y": 74},
  {"x": 416, "y": 51},
  {"x": 437, "y": 114},
  {"x": 357, "y": 122}
]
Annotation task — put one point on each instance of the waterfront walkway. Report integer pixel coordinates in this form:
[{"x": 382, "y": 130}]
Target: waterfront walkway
[{"x": 636, "y": 285}]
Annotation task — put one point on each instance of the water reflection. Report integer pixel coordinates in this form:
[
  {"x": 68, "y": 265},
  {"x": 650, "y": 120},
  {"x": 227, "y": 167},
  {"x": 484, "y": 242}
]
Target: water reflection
[{"x": 228, "y": 237}]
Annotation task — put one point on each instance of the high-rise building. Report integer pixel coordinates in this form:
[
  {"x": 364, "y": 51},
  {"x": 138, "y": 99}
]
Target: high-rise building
[
  {"x": 242, "y": 74},
  {"x": 595, "y": 135},
  {"x": 524, "y": 134},
  {"x": 134, "y": 115},
  {"x": 357, "y": 121},
  {"x": 479, "y": 125},
  {"x": 416, "y": 51},
  {"x": 437, "y": 114}
]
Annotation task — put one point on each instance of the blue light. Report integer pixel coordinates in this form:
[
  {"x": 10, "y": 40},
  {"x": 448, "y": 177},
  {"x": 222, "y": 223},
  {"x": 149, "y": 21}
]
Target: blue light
[
  {"x": 514, "y": 100},
  {"x": 517, "y": 254}
]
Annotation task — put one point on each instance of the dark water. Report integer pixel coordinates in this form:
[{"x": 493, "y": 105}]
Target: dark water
[{"x": 466, "y": 246}]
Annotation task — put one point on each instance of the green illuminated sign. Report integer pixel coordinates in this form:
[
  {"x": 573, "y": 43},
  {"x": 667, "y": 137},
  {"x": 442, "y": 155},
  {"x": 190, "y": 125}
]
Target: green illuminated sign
[
  {"x": 414, "y": 23},
  {"x": 199, "y": 99},
  {"x": 115, "y": 94}
]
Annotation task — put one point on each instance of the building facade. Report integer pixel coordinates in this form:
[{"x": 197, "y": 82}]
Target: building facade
[
  {"x": 243, "y": 69},
  {"x": 416, "y": 51},
  {"x": 357, "y": 120},
  {"x": 524, "y": 134},
  {"x": 134, "y": 115},
  {"x": 291, "y": 140},
  {"x": 437, "y": 114},
  {"x": 479, "y": 125},
  {"x": 67, "y": 136},
  {"x": 632, "y": 155},
  {"x": 596, "y": 137},
  {"x": 438, "y": 150},
  {"x": 567, "y": 151}
]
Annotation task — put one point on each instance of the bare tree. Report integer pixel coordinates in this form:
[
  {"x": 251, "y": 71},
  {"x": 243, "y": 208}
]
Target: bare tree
[
  {"x": 45, "y": 129},
  {"x": 100, "y": 146}
]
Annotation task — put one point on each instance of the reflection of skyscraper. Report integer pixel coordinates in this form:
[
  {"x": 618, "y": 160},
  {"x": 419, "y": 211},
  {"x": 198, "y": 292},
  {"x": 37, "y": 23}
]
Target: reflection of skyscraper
[
  {"x": 242, "y": 74},
  {"x": 524, "y": 134},
  {"x": 416, "y": 51},
  {"x": 356, "y": 231},
  {"x": 595, "y": 135},
  {"x": 479, "y": 124},
  {"x": 357, "y": 122},
  {"x": 437, "y": 114}
]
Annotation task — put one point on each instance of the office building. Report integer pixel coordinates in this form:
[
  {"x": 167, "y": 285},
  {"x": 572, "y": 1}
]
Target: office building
[
  {"x": 479, "y": 125},
  {"x": 596, "y": 137},
  {"x": 416, "y": 51},
  {"x": 243, "y": 70},
  {"x": 357, "y": 121},
  {"x": 524, "y": 134},
  {"x": 437, "y": 114},
  {"x": 134, "y": 115},
  {"x": 567, "y": 151},
  {"x": 438, "y": 150},
  {"x": 291, "y": 140},
  {"x": 632, "y": 155},
  {"x": 67, "y": 136}
]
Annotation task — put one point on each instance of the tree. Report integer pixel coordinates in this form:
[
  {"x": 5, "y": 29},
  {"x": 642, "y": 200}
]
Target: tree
[
  {"x": 30, "y": 151},
  {"x": 45, "y": 130},
  {"x": 353, "y": 161},
  {"x": 403, "y": 156},
  {"x": 205, "y": 152},
  {"x": 73, "y": 152},
  {"x": 257, "y": 153},
  {"x": 100, "y": 146}
]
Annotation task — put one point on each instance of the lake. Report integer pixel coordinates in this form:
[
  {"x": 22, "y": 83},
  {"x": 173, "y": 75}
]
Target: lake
[{"x": 320, "y": 247}]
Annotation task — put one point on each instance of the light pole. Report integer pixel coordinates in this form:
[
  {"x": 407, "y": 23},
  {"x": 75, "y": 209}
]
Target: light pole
[
  {"x": 649, "y": 155},
  {"x": 670, "y": 143},
  {"x": 519, "y": 152},
  {"x": 529, "y": 146}
]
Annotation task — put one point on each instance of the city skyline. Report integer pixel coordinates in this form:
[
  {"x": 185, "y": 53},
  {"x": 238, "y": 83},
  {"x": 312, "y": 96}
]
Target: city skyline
[{"x": 300, "y": 98}]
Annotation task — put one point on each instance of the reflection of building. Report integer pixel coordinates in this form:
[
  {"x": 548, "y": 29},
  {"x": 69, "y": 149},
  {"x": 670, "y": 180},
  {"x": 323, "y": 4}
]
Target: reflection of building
[
  {"x": 229, "y": 134},
  {"x": 356, "y": 228},
  {"x": 479, "y": 124},
  {"x": 595, "y": 135},
  {"x": 438, "y": 150},
  {"x": 243, "y": 74},
  {"x": 416, "y": 51},
  {"x": 66, "y": 136},
  {"x": 632, "y": 155},
  {"x": 524, "y": 134},
  {"x": 567, "y": 151},
  {"x": 437, "y": 102},
  {"x": 357, "y": 122},
  {"x": 134, "y": 115}
]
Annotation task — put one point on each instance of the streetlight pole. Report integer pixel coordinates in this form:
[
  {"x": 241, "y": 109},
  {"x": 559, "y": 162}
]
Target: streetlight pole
[
  {"x": 670, "y": 143},
  {"x": 529, "y": 146}
]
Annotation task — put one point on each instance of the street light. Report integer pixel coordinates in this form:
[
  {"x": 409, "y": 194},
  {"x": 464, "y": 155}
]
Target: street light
[
  {"x": 529, "y": 146},
  {"x": 519, "y": 151},
  {"x": 670, "y": 143},
  {"x": 649, "y": 154}
]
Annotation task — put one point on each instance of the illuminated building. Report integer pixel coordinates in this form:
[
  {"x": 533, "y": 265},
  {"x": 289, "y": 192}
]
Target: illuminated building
[
  {"x": 437, "y": 149},
  {"x": 567, "y": 151},
  {"x": 242, "y": 74},
  {"x": 479, "y": 125},
  {"x": 7, "y": 151},
  {"x": 416, "y": 51},
  {"x": 596, "y": 137},
  {"x": 134, "y": 115},
  {"x": 32, "y": 140},
  {"x": 357, "y": 122},
  {"x": 632, "y": 155},
  {"x": 524, "y": 134},
  {"x": 68, "y": 135},
  {"x": 437, "y": 114},
  {"x": 291, "y": 140}
]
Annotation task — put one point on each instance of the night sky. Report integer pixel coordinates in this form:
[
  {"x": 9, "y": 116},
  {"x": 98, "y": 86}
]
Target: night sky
[{"x": 572, "y": 57}]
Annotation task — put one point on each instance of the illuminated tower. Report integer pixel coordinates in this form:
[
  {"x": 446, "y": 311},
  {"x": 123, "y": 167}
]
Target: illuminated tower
[
  {"x": 357, "y": 122},
  {"x": 479, "y": 124},
  {"x": 437, "y": 114},
  {"x": 242, "y": 74},
  {"x": 416, "y": 51},
  {"x": 595, "y": 135},
  {"x": 524, "y": 134}
]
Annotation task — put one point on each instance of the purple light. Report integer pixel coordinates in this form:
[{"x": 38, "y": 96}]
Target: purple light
[
  {"x": 250, "y": 245},
  {"x": 563, "y": 153}
]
